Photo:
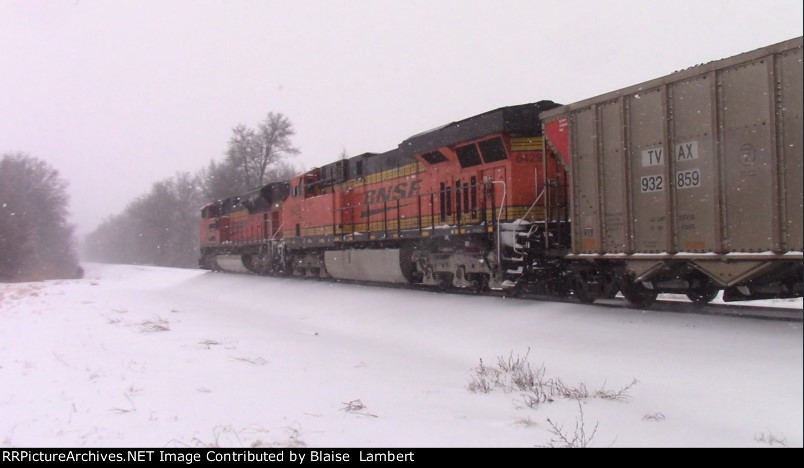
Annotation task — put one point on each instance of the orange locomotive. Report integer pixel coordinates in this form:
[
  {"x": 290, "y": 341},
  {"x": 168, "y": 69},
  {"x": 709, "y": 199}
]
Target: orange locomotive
[
  {"x": 466, "y": 205},
  {"x": 690, "y": 183}
]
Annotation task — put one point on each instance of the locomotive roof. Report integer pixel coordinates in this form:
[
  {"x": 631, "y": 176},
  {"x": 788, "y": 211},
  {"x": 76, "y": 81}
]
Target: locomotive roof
[{"x": 522, "y": 119}]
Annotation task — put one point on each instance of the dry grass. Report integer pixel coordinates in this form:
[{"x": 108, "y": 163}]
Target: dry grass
[
  {"x": 154, "y": 326},
  {"x": 357, "y": 407},
  {"x": 527, "y": 422},
  {"x": 515, "y": 373},
  {"x": 208, "y": 344},
  {"x": 771, "y": 439},
  {"x": 247, "y": 437},
  {"x": 132, "y": 408},
  {"x": 578, "y": 438},
  {"x": 653, "y": 417},
  {"x": 257, "y": 361}
]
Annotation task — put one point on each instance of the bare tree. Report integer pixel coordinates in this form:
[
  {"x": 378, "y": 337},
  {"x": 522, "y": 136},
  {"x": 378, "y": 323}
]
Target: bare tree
[
  {"x": 219, "y": 180},
  {"x": 280, "y": 171},
  {"x": 243, "y": 156},
  {"x": 36, "y": 241},
  {"x": 274, "y": 138},
  {"x": 253, "y": 158},
  {"x": 161, "y": 227},
  {"x": 158, "y": 228}
]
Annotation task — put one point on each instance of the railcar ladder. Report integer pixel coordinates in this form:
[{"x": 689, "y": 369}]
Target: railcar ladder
[{"x": 555, "y": 215}]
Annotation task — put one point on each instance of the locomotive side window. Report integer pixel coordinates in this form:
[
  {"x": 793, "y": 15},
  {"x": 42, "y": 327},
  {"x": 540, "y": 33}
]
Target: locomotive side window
[
  {"x": 434, "y": 157},
  {"x": 493, "y": 150},
  {"x": 468, "y": 155}
]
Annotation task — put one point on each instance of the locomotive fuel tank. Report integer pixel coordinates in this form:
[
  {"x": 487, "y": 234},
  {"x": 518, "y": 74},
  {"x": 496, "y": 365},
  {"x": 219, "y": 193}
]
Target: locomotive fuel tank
[
  {"x": 382, "y": 265},
  {"x": 231, "y": 263}
]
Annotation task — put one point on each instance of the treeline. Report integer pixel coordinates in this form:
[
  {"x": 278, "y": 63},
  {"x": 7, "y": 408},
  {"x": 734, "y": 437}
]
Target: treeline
[
  {"x": 36, "y": 241},
  {"x": 161, "y": 227}
]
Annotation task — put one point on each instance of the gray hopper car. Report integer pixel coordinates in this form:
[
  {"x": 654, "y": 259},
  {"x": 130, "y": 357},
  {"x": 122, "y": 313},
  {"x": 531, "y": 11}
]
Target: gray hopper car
[{"x": 689, "y": 183}]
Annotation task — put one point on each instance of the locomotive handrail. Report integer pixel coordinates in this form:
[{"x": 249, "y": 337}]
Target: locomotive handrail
[
  {"x": 519, "y": 221},
  {"x": 276, "y": 231},
  {"x": 499, "y": 233}
]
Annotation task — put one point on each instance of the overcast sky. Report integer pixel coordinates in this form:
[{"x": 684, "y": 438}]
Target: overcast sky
[{"x": 119, "y": 94}]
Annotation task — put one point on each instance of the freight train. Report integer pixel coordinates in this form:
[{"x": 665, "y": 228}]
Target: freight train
[{"x": 690, "y": 183}]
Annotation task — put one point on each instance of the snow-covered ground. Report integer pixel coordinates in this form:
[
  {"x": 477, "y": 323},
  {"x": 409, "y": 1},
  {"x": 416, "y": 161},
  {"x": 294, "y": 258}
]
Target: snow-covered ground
[{"x": 145, "y": 356}]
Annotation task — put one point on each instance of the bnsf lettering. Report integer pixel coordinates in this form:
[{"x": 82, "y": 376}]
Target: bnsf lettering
[{"x": 393, "y": 193}]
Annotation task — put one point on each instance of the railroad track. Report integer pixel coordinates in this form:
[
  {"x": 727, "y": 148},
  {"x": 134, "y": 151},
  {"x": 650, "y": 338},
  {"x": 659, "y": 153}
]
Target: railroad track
[
  {"x": 727, "y": 310},
  {"x": 682, "y": 306},
  {"x": 665, "y": 303}
]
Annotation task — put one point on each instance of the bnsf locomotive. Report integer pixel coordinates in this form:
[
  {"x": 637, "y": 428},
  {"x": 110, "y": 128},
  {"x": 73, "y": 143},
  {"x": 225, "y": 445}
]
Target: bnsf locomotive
[{"x": 690, "y": 183}]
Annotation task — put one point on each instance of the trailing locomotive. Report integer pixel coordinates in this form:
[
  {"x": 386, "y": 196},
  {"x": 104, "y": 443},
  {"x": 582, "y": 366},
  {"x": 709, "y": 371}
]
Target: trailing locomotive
[
  {"x": 691, "y": 183},
  {"x": 452, "y": 207}
]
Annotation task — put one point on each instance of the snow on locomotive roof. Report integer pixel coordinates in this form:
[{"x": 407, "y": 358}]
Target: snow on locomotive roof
[{"x": 522, "y": 119}]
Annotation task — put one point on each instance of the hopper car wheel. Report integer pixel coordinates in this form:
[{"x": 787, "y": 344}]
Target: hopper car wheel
[
  {"x": 611, "y": 291},
  {"x": 703, "y": 294},
  {"x": 580, "y": 290},
  {"x": 640, "y": 296}
]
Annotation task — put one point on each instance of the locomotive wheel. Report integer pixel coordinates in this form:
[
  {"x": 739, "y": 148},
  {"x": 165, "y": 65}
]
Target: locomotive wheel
[
  {"x": 640, "y": 296},
  {"x": 444, "y": 281},
  {"x": 514, "y": 291},
  {"x": 702, "y": 294},
  {"x": 480, "y": 283}
]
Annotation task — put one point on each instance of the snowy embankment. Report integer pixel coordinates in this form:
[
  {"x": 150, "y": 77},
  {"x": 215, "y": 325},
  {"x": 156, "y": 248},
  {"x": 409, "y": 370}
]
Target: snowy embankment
[{"x": 145, "y": 356}]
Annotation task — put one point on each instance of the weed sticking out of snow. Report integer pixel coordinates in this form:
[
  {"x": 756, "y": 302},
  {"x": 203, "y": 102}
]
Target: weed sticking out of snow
[
  {"x": 153, "y": 326},
  {"x": 247, "y": 437},
  {"x": 515, "y": 373},
  {"x": 527, "y": 422},
  {"x": 357, "y": 407},
  {"x": 207, "y": 344},
  {"x": 578, "y": 438},
  {"x": 653, "y": 417},
  {"x": 257, "y": 361},
  {"x": 771, "y": 440}
]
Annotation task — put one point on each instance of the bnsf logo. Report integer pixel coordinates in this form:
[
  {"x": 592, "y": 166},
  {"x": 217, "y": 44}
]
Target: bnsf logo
[{"x": 393, "y": 192}]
